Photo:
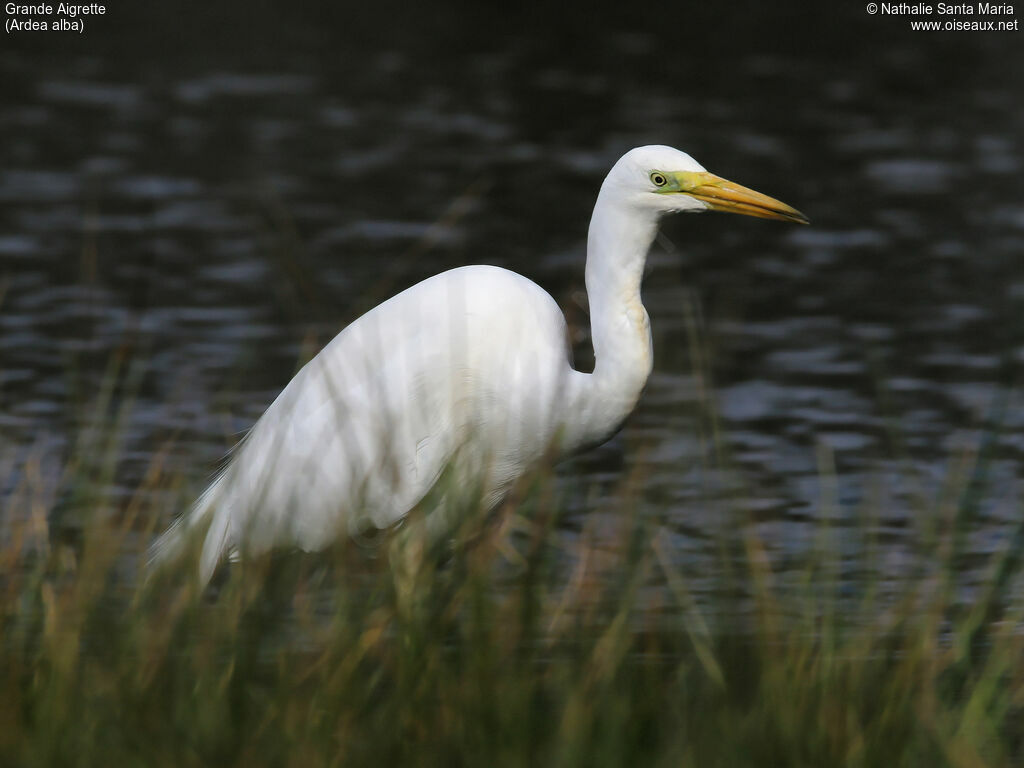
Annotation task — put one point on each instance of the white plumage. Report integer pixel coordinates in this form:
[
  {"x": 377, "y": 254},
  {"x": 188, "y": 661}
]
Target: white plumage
[{"x": 468, "y": 370}]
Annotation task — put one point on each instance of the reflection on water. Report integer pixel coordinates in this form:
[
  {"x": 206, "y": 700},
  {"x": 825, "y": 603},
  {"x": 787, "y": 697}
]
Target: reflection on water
[{"x": 221, "y": 218}]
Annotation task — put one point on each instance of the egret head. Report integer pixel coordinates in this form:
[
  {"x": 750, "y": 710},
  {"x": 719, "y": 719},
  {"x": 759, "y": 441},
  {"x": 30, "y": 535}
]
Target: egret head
[{"x": 661, "y": 180}]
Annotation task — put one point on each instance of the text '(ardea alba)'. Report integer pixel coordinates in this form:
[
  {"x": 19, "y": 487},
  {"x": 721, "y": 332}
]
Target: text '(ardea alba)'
[{"x": 469, "y": 371}]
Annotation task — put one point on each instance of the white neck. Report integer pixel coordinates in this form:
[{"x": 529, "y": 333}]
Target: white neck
[{"x": 617, "y": 248}]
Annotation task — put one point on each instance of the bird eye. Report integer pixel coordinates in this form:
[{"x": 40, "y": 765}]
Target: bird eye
[{"x": 658, "y": 179}]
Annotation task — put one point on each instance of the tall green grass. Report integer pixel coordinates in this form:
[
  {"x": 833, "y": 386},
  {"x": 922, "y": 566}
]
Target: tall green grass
[{"x": 509, "y": 644}]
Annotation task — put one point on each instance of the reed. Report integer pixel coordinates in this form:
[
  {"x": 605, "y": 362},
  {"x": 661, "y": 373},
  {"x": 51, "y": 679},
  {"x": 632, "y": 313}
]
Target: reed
[{"x": 519, "y": 640}]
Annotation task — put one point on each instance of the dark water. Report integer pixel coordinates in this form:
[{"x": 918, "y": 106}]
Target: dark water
[{"x": 214, "y": 193}]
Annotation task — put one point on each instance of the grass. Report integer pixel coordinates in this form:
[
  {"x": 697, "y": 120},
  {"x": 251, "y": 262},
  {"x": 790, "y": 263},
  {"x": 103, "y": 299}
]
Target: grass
[{"x": 511, "y": 644}]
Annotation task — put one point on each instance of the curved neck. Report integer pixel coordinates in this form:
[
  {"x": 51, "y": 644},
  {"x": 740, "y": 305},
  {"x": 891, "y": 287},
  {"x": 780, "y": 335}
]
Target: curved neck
[{"x": 617, "y": 246}]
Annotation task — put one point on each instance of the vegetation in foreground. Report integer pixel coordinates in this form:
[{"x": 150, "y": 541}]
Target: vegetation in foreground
[{"x": 518, "y": 642}]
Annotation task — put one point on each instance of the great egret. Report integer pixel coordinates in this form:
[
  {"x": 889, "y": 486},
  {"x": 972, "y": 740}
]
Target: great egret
[{"x": 470, "y": 370}]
